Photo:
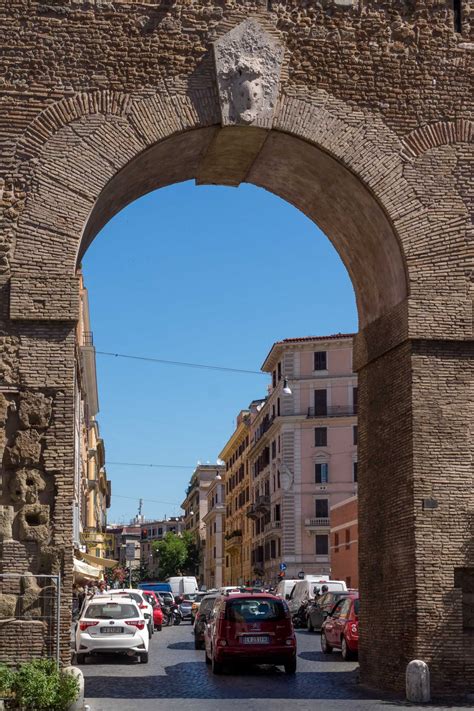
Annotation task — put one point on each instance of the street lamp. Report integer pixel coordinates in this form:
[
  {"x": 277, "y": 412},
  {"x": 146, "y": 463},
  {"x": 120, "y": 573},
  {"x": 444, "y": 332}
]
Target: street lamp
[{"x": 286, "y": 388}]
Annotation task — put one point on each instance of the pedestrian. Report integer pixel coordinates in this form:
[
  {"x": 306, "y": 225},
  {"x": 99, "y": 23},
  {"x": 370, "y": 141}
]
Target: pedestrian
[{"x": 102, "y": 588}]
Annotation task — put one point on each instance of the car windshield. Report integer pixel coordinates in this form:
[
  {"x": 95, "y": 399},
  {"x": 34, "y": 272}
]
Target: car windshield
[
  {"x": 356, "y": 606},
  {"x": 111, "y": 611},
  {"x": 254, "y": 610},
  {"x": 134, "y": 596},
  {"x": 189, "y": 597},
  {"x": 207, "y": 604}
]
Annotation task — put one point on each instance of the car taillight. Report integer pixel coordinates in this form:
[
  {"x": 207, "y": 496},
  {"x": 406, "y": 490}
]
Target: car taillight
[
  {"x": 290, "y": 642},
  {"x": 135, "y": 623},
  {"x": 84, "y": 625}
]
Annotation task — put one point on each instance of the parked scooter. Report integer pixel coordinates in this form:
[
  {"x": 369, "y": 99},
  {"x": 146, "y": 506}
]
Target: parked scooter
[{"x": 172, "y": 615}]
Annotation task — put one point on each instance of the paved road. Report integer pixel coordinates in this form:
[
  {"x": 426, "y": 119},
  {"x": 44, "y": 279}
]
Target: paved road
[{"x": 177, "y": 679}]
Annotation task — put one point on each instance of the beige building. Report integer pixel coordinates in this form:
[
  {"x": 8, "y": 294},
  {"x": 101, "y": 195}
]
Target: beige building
[
  {"x": 195, "y": 507},
  {"x": 214, "y": 521},
  {"x": 303, "y": 454}
]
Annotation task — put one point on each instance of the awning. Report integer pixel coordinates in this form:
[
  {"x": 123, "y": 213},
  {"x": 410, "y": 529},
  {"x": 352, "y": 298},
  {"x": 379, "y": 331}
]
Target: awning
[
  {"x": 99, "y": 562},
  {"x": 83, "y": 570}
]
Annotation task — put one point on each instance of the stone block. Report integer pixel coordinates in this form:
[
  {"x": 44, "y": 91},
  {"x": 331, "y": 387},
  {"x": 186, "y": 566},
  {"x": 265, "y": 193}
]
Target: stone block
[
  {"x": 25, "y": 485},
  {"x": 35, "y": 410},
  {"x": 6, "y": 522},
  {"x": 26, "y": 449},
  {"x": 34, "y": 523},
  {"x": 418, "y": 682},
  {"x": 7, "y": 606}
]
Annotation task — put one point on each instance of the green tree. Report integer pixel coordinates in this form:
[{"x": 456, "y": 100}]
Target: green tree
[
  {"x": 193, "y": 554},
  {"x": 172, "y": 553}
]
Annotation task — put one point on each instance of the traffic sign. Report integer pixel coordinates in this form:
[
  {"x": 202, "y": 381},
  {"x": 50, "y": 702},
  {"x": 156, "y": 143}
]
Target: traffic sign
[
  {"x": 301, "y": 575},
  {"x": 282, "y": 566}
]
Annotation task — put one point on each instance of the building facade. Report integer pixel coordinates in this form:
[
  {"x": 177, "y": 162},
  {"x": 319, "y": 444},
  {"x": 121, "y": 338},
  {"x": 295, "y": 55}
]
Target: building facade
[
  {"x": 152, "y": 531},
  {"x": 303, "y": 454},
  {"x": 214, "y": 521},
  {"x": 195, "y": 507},
  {"x": 345, "y": 542}
]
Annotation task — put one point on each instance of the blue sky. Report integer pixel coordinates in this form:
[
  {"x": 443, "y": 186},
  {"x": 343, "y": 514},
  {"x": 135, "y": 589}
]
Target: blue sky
[{"x": 210, "y": 275}]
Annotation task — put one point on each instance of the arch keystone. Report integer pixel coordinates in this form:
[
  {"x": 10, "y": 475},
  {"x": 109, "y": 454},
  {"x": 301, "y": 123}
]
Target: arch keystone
[{"x": 248, "y": 65}]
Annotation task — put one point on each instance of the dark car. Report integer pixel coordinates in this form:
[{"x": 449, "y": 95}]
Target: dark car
[
  {"x": 185, "y": 606},
  {"x": 252, "y": 629},
  {"x": 340, "y": 629},
  {"x": 319, "y": 609},
  {"x": 200, "y": 619}
]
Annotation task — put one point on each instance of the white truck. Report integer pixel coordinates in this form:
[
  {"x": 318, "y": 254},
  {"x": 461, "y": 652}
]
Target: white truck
[{"x": 183, "y": 584}]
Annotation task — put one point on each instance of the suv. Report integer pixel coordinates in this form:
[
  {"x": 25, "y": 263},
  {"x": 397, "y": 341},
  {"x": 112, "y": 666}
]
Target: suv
[
  {"x": 139, "y": 597},
  {"x": 251, "y": 628},
  {"x": 110, "y": 624}
]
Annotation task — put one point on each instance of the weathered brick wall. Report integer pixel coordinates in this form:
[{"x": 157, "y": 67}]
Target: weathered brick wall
[{"x": 372, "y": 138}]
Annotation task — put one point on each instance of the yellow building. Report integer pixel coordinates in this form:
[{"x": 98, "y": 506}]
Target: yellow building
[
  {"x": 92, "y": 490},
  {"x": 237, "y": 537}
]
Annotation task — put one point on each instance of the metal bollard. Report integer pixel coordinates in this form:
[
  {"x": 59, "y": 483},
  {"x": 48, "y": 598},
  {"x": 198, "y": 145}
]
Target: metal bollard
[{"x": 418, "y": 682}]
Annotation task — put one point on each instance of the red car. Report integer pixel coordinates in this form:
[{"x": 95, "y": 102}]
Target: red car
[
  {"x": 250, "y": 628},
  {"x": 152, "y": 598},
  {"x": 340, "y": 629}
]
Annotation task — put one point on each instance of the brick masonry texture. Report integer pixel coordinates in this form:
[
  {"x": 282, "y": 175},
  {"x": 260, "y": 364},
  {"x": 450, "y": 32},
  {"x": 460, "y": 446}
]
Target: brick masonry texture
[{"x": 372, "y": 137}]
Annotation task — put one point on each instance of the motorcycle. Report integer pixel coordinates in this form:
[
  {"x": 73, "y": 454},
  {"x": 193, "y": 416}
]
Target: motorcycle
[
  {"x": 172, "y": 615},
  {"x": 301, "y": 617}
]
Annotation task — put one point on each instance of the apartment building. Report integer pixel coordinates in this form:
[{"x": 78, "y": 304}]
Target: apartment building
[
  {"x": 195, "y": 507},
  {"x": 237, "y": 538},
  {"x": 151, "y": 531},
  {"x": 302, "y": 455},
  {"x": 214, "y": 521},
  {"x": 92, "y": 488},
  {"x": 345, "y": 542}
]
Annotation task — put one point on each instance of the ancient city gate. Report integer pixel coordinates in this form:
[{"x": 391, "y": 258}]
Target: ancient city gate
[{"x": 356, "y": 112}]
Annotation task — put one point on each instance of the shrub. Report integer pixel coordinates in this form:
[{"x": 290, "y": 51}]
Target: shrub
[
  {"x": 41, "y": 686},
  {"x": 7, "y": 677}
]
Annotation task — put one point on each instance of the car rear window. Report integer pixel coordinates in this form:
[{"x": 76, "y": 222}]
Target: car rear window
[
  {"x": 254, "y": 610},
  {"x": 111, "y": 611},
  {"x": 356, "y": 606},
  {"x": 134, "y": 596},
  {"x": 207, "y": 604}
]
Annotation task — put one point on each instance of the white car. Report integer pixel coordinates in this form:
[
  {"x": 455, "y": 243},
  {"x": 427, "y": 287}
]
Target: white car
[
  {"x": 109, "y": 624},
  {"x": 142, "y": 602}
]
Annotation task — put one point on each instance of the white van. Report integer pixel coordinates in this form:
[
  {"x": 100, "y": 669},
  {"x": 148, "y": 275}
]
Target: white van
[
  {"x": 307, "y": 589},
  {"x": 285, "y": 587},
  {"x": 183, "y": 584}
]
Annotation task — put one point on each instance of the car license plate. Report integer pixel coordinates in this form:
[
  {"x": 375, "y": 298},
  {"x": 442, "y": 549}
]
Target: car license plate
[
  {"x": 261, "y": 639},
  {"x": 111, "y": 630}
]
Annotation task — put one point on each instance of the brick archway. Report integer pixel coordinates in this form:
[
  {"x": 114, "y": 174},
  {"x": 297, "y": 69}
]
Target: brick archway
[{"x": 394, "y": 198}]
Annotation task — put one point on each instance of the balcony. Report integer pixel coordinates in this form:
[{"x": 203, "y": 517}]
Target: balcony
[
  {"x": 272, "y": 526},
  {"x": 317, "y": 522},
  {"x": 262, "y": 504},
  {"x": 252, "y": 512},
  {"x": 332, "y": 411},
  {"x": 233, "y": 540}
]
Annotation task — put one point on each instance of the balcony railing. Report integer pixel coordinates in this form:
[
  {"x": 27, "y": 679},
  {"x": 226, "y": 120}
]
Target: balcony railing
[
  {"x": 272, "y": 526},
  {"x": 333, "y": 411},
  {"x": 233, "y": 542},
  {"x": 317, "y": 522},
  {"x": 262, "y": 503}
]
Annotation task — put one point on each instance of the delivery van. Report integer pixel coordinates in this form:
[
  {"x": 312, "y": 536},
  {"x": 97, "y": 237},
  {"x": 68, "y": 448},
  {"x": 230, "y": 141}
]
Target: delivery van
[
  {"x": 308, "y": 589},
  {"x": 183, "y": 584}
]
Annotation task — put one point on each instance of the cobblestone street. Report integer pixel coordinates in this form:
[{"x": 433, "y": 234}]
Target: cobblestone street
[{"x": 178, "y": 678}]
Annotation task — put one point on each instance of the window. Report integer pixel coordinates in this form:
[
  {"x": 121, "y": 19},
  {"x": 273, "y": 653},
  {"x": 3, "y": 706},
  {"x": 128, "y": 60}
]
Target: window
[
  {"x": 320, "y": 360},
  {"x": 321, "y": 436},
  {"x": 457, "y": 11},
  {"x": 355, "y": 398},
  {"x": 348, "y": 538},
  {"x": 279, "y": 371},
  {"x": 277, "y": 512},
  {"x": 215, "y": 553},
  {"x": 320, "y": 402},
  {"x": 278, "y": 407},
  {"x": 336, "y": 543},
  {"x": 354, "y": 472},
  {"x": 322, "y": 545},
  {"x": 322, "y": 508},
  {"x": 273, "y": 548},
  {"x": 274, "y": 378},
  {"x": 321, "y": 474},
  {"x": 354, "y": 434}
]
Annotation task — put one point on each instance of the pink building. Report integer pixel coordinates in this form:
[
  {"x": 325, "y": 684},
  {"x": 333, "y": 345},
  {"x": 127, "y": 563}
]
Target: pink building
[{"x": 303, "y": 454}]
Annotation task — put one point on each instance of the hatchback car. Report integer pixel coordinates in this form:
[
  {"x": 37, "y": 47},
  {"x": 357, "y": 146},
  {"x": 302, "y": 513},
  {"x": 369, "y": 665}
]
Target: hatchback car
[
  {"x": 318, "y": 610},
  {"x": 139, "y": 597},
  {"x": 152, "y": 598},
  {"x": 185, "y": 606},
  {"x": 108, "y": 624},
  {"x": 341, "y": 628},
  {"x": 250, "y": 628},
  {"x": 201, "y": 617}
]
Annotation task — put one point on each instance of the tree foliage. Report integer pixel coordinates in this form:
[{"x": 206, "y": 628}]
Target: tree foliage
[{"x": 177, "y": 555}]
